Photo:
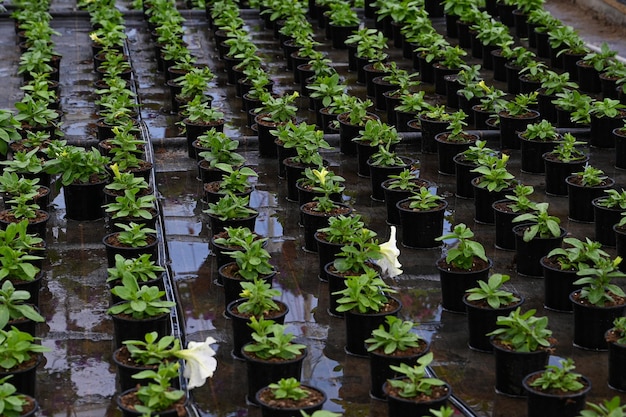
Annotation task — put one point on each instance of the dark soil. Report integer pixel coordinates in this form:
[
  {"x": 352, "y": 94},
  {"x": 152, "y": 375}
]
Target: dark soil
[
  {"x": 467, "y": 138},
  {"x": 130, "y": 400},
  {"x": 113, "y": 240},
  {"x": 617, "y": 300},
  {"x": 477, "y": 265},
  {"x": 314, "y": 397},
  {"x": 436, "y": 393},
  {"x": 578, "y": 180},
  {"x": 556, "y": 391},
  {"x": 266, "y": 315},
  {"x": 411, "y": 351},
  {"x": 8, "y": 217},
  {"x": 336, "y": 211},
  {"x": 406, "y": 204}
]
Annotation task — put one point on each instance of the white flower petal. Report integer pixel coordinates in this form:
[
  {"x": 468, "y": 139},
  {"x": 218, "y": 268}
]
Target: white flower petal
[
  {"x": 200, "y": 362},
  {"x": 389, "y": 263}
]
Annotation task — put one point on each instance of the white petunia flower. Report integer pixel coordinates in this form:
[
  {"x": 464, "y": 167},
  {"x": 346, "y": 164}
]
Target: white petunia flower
[
  {"x": 389, "y": 263},
  {"x": 200, "y": 362}
]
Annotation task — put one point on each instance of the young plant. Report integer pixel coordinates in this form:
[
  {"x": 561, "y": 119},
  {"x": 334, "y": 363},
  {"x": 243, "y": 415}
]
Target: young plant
[
  {"x": 376, "y": 133},
  {"x": 492, "y": 293},
  {"x": 521, "y": 202},
  {"x": 521, "y": 104},
  {"x": 252, "y": 260},
  {"x": 463, "y": 255},
  {"x": 134, "y": 235},
  {"x": 158, "y": 394},
  {"x": 142, "y": 268},
  {"x": 13, "y": 306},
  {"x": 591, "y": 176},
  {"x": 231, "y": 206},
  {"x": 355, "y": 256},
  {"x": 578, "y": 255},
  {"x": 542, "y": 131},
  {"x": 11, "y": 403},
  {"x": 342, "y": 229},
  {"x": 289, "y": 388},
  {"x": 132, "y": 206},
  {"x": 394, "y": 335},
  {"x": 139, "y": 302},
  {"x": 364, "y": 293},
  {"x": 17, "y": 347},
  {"x": 424, "y": 200},
  {"x": 523, "y": 332},
  {"x": 543, "y": 225},
  {"x": 235, "y": 180},
  {"x": 258, "y": 298},
  {"x": 613, "y": 199},
  {"x": 608, "y": 408},
  {"x": 415, "y": 379},
  {"x": 270, "y": 341},
  {"x": 596, "y": 281},
  {"x": 152, "y": 350},
  {"x": 494, "y": 174},
  {"x": 559, "y": 378},
  {"x": 567, "y": 149}
]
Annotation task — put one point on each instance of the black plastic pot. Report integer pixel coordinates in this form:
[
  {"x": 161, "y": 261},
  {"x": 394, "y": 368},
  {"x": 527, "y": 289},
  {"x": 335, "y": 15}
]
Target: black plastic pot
[
  {"x": 84, "y": 202},
  {"x": 454, "y": 284},
  {"x": 568, "y": 404},
  {"x": 430, "y": 129},
  {"x": 264, "y": 372},
  {"x": 380, "y": 371},
  {"x": 617, "y": 363},
  {"x": 242, "y": 333},
  {"x": 510, "y": 126},
  {"x": 557, "y": 171},
  {"x": 379, "y": 173},
  {"x": 359, "y": 327},
  {"x": 529, "y": 254},
  {"x": 592, "y": 322},
  {"x": 580, "y": 198},
  {"x": 558, "y": 284},
  {"x": 605, "y": 219},
  {"x": 532, "y": 150},
  {"x": 503, "y": 219},
  {"x": 127, "y": 328},
  {"x": 446, "y": 151},
  {"x": 481, "y": 320},
  {"x": 312, "y": 221},
  {"x": 398, "y": 406},
  {"x": 464, "y": 177},
  {"x": 421, "y": 228},
  {"x": 483, "y": 201},
  {"x": 512, "y": 367}
]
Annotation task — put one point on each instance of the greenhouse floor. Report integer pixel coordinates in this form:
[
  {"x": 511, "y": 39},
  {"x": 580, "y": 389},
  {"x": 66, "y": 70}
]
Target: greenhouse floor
[{"x": 78, "y": 378}]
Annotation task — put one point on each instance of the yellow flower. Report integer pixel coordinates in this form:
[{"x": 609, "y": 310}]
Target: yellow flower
[
  {"x": 116, "y": 170},
  {"x": 617, "y": 261},
  {"x": 321, "y": 175},
  {"x": 484, "y": 86}
]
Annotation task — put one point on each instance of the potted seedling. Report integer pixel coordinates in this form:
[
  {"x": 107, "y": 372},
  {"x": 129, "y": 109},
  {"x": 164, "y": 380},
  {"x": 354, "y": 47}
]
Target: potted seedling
[
  {"x": 365, "y": 302},
  {"x": 464, "y": 264},
  {"x": 288, "y": 396},
  {"x": 452, "y": 142},
  {"x": 507, "y": 209},
  {"x": 582, "y": 188},
  {"x": 565, "y": 158},
  {"x": 484, "y": 303},
  {"x": 415, "y": 391},
  {"x": 522, "y": 344},
  {"x": 560, "y": 267},
  {"x": 598, "y": 303},
  {"x": 273, "y": 354},
  {"x": 607, "y": 211},
  {"x": 536, "y": 235},
  {"x": 421, "y": 217},
  {"x": 557, "y": 390}
]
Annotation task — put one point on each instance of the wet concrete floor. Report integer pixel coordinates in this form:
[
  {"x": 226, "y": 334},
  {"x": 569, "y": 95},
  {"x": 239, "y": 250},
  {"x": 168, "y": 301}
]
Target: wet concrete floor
[{"x": 78, "y": 378}]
